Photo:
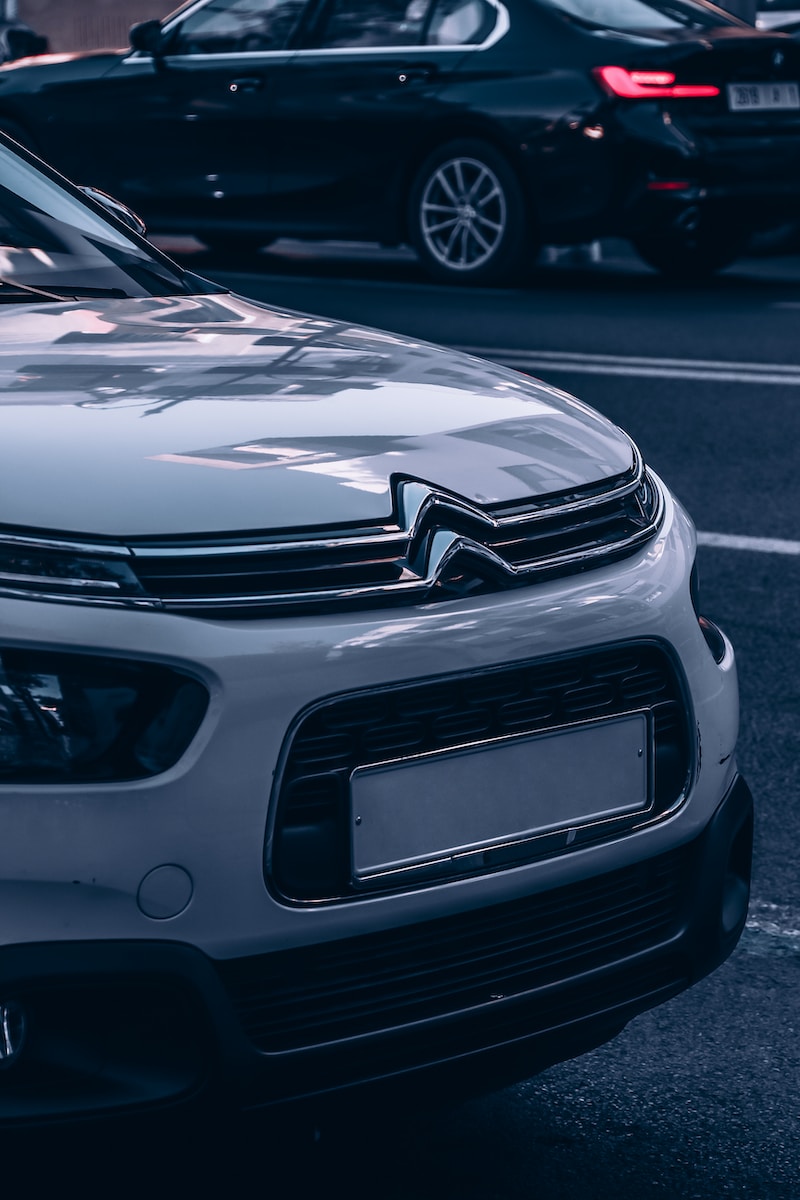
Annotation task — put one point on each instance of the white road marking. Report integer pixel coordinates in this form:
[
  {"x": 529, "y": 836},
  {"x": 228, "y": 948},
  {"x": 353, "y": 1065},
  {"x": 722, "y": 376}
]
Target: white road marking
[
  {"x": 761, "y": 545},
  {"x": 703, "y": 370},
  {"x": 771, "y": 929}
]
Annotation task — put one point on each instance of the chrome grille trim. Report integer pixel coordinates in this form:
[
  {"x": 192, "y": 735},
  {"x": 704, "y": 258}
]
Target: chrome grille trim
[
  {"x": 16, "y": 541},
  {"x": 437, "y": 546},
  {"x": 419, "y": 562}
]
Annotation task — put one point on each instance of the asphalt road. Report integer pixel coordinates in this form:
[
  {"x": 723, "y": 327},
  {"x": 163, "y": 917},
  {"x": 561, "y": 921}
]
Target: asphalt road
[{"x": 698, "y": 1099}]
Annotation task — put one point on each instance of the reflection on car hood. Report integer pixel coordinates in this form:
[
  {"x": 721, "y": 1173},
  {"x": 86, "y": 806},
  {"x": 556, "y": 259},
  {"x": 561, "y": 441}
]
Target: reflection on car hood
[{"x": 215, "y": 414}]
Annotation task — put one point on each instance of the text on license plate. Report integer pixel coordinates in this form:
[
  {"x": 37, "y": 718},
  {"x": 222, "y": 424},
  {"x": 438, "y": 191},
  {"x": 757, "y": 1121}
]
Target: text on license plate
[
  {"x": 454, "y": 802},
  {"x": 758, "y": 97}
]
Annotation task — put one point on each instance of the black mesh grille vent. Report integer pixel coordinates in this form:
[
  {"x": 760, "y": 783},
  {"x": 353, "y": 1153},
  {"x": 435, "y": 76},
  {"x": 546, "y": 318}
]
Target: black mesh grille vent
[
  {"x": 311, "y": 856},
  {"x": 455, "y": 965}
]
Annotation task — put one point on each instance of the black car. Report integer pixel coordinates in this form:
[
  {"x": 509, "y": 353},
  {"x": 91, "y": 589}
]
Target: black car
[{"x": 474, "y": 130}]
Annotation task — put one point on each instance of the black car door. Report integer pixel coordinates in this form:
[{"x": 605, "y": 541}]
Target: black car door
[
  {"x": 194, "y": 123},
  {"x": 349, "y": 110}
]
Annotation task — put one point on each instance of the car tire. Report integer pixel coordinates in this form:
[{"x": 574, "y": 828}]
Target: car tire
[
  {"x": 467, "y": 216},
  {"x": 691, "y": 254}
]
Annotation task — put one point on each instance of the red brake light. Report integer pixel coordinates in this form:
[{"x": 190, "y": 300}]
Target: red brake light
[
  {"x": 668, "y": 185},
  {"x": 644, "y": 85}
]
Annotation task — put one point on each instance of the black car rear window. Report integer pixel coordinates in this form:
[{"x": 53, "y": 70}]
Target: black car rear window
[
  {"x": 628, "y": 16},
  {"x": 374, "y": 23}
]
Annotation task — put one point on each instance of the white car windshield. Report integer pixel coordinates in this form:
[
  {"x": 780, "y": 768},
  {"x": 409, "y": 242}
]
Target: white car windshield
[{"x": 55, "y": 243}]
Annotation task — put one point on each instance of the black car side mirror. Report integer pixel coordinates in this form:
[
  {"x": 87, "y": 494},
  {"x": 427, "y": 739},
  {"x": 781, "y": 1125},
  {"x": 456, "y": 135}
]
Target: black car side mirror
[
  {"x": 117, "y": 209},
  {"x": 147, "y": 36}
]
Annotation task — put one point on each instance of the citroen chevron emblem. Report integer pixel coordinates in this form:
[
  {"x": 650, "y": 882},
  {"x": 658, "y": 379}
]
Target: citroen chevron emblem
[{"x": 427, "y": 558}]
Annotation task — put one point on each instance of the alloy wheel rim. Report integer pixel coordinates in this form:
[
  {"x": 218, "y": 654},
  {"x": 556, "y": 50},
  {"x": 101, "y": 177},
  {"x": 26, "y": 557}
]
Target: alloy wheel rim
[{"x": 463, "y": 214}]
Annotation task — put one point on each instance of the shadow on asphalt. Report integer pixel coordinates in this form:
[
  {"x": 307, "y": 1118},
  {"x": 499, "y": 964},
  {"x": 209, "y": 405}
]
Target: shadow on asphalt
[{"x": 618, "y": 270}]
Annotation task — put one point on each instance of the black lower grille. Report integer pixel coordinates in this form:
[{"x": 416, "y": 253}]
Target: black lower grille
[
  {"x": 311, "y": 848},
  {"x": 456, "y": 965}
]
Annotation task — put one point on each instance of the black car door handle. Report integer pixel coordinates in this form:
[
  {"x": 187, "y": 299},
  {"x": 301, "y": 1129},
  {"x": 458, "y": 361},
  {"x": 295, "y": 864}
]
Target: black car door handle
[
  {"x": 416, "y": 75},
  {"x": 249, "y": 84}
]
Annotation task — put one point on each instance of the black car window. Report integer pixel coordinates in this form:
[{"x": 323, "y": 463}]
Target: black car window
[
  {"x": 355, "y": 23},
  {"x": 462, "y": 22},
  {"x": 628, "y": 16},
  {"x": 236, "y": 27}
]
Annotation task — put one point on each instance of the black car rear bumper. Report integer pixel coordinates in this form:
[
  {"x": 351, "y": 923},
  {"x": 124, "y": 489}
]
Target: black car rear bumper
[
  {"x": 119, "y": 1026},
  {"x": 747, "y": 206},
  {"x": 749, "y": 180}
]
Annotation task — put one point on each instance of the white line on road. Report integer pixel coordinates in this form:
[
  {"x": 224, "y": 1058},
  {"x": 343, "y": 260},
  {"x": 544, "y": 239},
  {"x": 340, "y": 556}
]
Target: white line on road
[
  {"x": 704, "y": 370},
  {"x": 732, "y": 541},
  {"x": 771, "y": 929}
]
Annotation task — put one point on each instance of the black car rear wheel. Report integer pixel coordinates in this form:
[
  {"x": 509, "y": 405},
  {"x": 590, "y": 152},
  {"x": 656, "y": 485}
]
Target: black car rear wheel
[
  {"x": 691, "y": 254},
  {"x": 467, "y": 215}
]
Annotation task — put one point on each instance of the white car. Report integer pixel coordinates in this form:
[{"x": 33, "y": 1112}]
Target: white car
[{"x": 359, "y": 726}]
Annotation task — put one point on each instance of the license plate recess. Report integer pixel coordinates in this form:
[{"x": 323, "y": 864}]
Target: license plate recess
[{"x": 448, "y": 804}]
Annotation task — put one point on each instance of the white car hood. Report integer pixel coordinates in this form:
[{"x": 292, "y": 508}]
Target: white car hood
[{"x": 214, "y": 414}]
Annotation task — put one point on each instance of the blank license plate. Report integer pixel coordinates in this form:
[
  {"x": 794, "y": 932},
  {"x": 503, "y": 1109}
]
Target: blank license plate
[
  {"x": 434, "y": 808},
  {"x": 758, "y": 97}
]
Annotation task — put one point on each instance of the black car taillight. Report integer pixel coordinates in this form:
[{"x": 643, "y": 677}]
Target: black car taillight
[
  {"x": 648, "y": 85},
  {"x": 80, "y": 718}
]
